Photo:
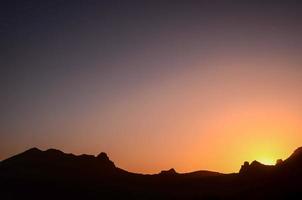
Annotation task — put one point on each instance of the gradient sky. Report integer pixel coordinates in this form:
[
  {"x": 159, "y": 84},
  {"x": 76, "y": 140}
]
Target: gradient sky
[{"x": 185, "y": 84}]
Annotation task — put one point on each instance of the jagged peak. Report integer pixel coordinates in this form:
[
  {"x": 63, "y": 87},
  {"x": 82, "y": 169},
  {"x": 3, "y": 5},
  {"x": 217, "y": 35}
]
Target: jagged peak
[
  {"x": 34, "y": 149},
  {"x": 297, "y": 152},
  {"x": 171, "y": 171},
  {"x": 31, "y": 152},
  {"x": 296, "y": 156},
  {"x": 103, "y": 156},
  {"x": 256, "y": 163}
]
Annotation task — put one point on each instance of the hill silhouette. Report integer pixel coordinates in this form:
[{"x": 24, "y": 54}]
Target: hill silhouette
[{"x": 53, "y": 174}]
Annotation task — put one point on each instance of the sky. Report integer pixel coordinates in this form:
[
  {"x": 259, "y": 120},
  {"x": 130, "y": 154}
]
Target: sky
[{"x": 156, "y": 84}]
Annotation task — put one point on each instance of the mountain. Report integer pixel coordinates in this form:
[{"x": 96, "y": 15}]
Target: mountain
[
  {"x": 54, "y": 164},
  {"x": 292, "y": 166},
  {"x": 53, "y": 174},
  {"x": 170, "y": 172}
]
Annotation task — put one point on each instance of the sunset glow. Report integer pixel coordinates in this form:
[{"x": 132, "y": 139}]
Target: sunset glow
[{"x": 155, "y": 86}]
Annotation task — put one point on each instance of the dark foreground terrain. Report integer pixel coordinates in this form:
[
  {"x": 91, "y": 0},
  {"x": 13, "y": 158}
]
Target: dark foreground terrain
[{"x": 52, "y": 174}]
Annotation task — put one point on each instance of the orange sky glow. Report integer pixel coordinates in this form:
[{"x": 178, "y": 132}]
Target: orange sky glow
[
  {"x": 158, "y": 85},
  {"x": 211, "y": 119}
]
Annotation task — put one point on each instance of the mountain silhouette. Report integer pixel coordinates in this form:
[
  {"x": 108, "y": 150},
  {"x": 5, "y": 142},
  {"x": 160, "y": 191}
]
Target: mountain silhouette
[
  {"x": 53, "y": 174},
  {"x": 170, "y": 172}
]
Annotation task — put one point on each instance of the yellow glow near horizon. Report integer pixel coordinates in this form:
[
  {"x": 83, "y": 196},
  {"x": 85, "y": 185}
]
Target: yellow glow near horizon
[
  {"x": 268, "y": 152},
  {"x": 213, "y": 118},
  {"x": 267, "y": 161}
]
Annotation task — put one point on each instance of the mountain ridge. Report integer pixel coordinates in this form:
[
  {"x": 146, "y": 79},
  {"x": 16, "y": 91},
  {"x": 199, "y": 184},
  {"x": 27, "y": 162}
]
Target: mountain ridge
[
  {"x": 34, "y": 173},
  {"x": 102, "y": 156}
]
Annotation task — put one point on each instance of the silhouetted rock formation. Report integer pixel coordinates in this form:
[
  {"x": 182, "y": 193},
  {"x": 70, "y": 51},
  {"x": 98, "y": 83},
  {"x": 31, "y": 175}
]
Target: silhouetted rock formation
[
  {"x": 245, "y": 167},
  {"x": 52, "y": 174},
  {"x": 170, "y": 172},
  {"x": 279, "y": 162},
  {"x": 290, "y": 167},
  {"x": 105, "y": 160},
  {"x": 255, "y": 169},
  {"x": 55, "y": 164},
  {"x": 296, "y": 157},
  {"x": 103, "y": 156}
]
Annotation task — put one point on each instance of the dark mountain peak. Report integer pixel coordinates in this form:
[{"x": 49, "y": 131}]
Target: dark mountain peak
[
  {"x": 244, "y": 168},
  {"x": 255, "y": 163},
  {"x": 294, "y": 161},
  {"x": 297, "y": 152},
  {"x": 54, "y": 152},
  {"x": 105, "y": 160},
  {"x": 28, "y": 154},
  {"x": 103, "y": 156},
  {"x": 171, "y": 171},
  {"x": 279, "y": 162},
  {"x": 246, "y": 163},
  {"x": 33, "y": 150},
  {"x": 79, "y": 176},
  {"x": 253, "y": 167},
  {"x": 256, "y": 169},
  {"x": 59, "y": 164},
  {"x": 202, "y": 173}
]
